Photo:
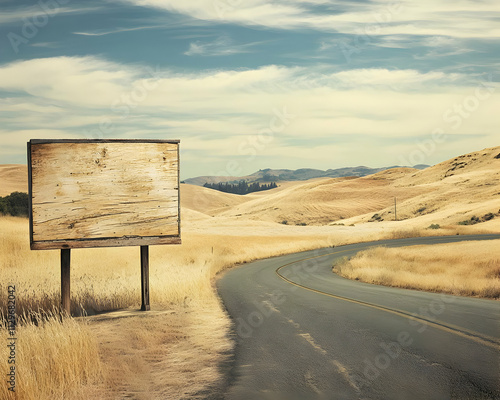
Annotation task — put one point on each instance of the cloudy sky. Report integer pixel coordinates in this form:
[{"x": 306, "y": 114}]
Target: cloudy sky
[{"x": 255, "y": 84}]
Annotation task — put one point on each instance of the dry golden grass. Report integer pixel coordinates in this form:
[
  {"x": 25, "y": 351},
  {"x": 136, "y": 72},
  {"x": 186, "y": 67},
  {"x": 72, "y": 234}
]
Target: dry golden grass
[
  {"x": 187, "y": 332},
  {"x": 172, "y": 354},
  {"x": 54, "y": 360},
  {"x": 468, "y": 268},
  {"x": 109, "y": 278}
]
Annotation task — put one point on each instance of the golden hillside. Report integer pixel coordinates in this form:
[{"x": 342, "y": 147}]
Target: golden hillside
[
  {"x": 323, "y": 201},
  {"x": 453, "y": 191},
  {"x": 208, "y": 201},
  {"x": 13, "y": 178},
  {"x": 447, "y": 193}
]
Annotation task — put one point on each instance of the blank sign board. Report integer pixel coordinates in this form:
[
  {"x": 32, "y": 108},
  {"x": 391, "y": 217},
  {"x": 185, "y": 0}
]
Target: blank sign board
[{"x": 103, "y": 193}]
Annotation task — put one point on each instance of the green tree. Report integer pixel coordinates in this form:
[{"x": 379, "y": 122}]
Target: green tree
[{"x": 15, "y": 204}]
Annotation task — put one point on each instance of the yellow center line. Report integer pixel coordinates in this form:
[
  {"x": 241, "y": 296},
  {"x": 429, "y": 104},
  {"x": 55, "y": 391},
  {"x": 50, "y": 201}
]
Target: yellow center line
[{"x": 465, "y": 333}]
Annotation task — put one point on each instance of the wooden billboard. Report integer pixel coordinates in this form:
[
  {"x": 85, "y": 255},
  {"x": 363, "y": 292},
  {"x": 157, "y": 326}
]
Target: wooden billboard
[{"x": 103, "y": 193}]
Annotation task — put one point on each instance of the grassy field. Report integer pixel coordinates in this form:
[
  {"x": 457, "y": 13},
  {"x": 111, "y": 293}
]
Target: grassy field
[
  {"x": 116, "y": 354},
  {"x": 467, "y": 269},
  {"x": 191, "y": 338}
]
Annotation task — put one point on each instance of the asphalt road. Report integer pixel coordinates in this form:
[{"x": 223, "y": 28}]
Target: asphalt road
[{"x": 303, "y": 333}]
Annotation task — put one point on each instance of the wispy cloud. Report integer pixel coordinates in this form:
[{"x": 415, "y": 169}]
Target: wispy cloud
[
  {"x": 223, "y": 46},
  {"x": 118, "y": 30},
  {"x": 48, "y": 45},
  {"x": 421, "y": 47},
  {"x": 436, "y": 53},
  {"x": 18, "y": 14},
  {"x": 463, "y": 18},
  {"x": 436, "y": 46},
  {"x": 409, "y": 41}
]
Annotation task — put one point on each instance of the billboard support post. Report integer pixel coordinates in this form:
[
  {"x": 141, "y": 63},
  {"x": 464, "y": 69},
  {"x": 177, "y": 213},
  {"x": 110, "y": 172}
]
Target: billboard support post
[
  {"x": 65, "y": 281},
  {"x": 145, "y": 278}
]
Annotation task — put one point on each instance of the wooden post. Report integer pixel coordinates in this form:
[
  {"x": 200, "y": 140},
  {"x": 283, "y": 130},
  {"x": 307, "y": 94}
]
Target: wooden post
[
  {"x": 65, "y": 281},
  {"x": 145, "y": 278}
]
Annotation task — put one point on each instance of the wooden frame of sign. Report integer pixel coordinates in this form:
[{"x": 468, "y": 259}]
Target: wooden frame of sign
[{"x": 103, "y": 193}]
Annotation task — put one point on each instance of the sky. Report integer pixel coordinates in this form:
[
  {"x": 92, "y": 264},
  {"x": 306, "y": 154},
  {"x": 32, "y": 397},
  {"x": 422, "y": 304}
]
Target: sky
[{"x": 254, "y": 84}]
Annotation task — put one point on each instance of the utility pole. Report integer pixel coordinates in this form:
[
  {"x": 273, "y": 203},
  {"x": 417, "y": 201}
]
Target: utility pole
[{"x": 395, "y": 211}]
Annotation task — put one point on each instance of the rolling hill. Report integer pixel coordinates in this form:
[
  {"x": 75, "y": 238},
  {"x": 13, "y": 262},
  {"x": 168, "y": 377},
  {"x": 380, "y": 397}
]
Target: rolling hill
[
  {"x": 13, "y": 178},
  {"x": 448, "y": 193}
]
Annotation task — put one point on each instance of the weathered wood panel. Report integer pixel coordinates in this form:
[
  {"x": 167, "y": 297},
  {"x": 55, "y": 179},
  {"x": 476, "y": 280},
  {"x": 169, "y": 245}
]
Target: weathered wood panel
[
  {"x": 103, "y": 193},
  {"x": 108, "y": 242}
]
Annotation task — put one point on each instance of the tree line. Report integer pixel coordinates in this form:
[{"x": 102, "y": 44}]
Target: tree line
[
  {"x": 15, "y": 204},
  {"x": 242, "y": 187}
]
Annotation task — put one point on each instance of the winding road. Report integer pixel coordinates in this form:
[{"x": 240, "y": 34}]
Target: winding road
[{"x": 303, "y": 332}]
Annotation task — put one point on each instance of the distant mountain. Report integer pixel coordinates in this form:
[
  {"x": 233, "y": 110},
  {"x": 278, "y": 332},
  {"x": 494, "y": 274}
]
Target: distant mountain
[{"x": 303, "y": 174}]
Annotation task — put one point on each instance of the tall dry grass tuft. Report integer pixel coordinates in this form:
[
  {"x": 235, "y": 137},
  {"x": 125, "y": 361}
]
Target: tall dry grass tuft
[
  {"x": 54, "y": 360},
  {"x": 405, "y": 233},
  {"x": 467, "y": 268}
]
